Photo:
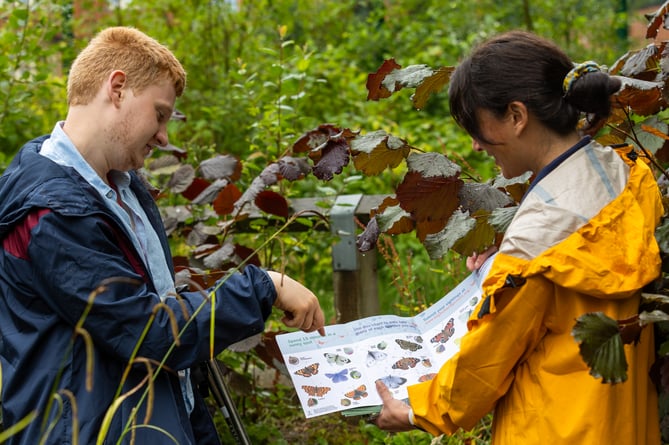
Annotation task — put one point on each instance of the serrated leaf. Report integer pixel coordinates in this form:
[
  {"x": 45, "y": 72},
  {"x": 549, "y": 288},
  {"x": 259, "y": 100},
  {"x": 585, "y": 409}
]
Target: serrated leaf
[
  {"x": 273, "y": 203},
  {"x": 197, "y": 186},
  {"x": 224, "y": 203},
  {"x": 514, "y": 187},
  {"x": 292, "y": 168},
  {"x": 314, "y": 138},
  {"x": 457, "y": 227},
  {"x": 653, "y": 135},
  {"x": 221, "y": 166},
  {"x": 429, "y": 191},
  {"x": 478, "y": 239},
  {"x": 332, "y": 159},
  {"x": 432, "y": 165},
  {"x": 176, "y": 151},
  {"x": 162, "y": 165},
  {"x": 432, "y": 84},
  {"x": 377, "y": 151},
  {"x": 639, "y": 64},
  {"x": 269, "y": 175},
  {"x": 658, "y": 19},
  {"x": 476, "y": 196},
  {"x": 208, "y": 195},
  {"x": 500, "y": 219},
  {"x": 601, "y": 347},
  {"x": 375, "y": 87},
  {"x": 249, "y": 195},
  {"x": 181, "y": 179},
  {"x": 392, "y": 219},
  {"x": 643, "y": 97},
  {"x": 366, "y": 241},
  {"x": 224, "y": 255},
  {"x": 653, "y": 317}
]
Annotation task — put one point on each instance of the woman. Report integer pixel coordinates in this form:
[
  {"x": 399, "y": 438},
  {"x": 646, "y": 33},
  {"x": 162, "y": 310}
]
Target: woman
[{"x": 582, "y": 241}]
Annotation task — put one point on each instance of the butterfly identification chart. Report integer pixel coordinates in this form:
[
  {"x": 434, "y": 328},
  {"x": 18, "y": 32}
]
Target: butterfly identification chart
[{"x": 336, "y": 372}]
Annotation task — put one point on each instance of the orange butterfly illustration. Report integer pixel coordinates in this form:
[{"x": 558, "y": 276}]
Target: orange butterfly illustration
[
  {"x": 308, "y": 371},
  {"x": 316, "y": 391},
  {"x": 358, "y": 393},
  {"x": 406, "y": 363},
  {"x": 426, "y": 377},
  {"x": 445, "y": 333}
]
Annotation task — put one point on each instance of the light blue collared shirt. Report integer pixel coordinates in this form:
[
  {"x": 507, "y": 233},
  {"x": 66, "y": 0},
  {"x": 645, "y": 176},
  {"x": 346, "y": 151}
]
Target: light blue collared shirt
[{"x": 60, "y": 149}]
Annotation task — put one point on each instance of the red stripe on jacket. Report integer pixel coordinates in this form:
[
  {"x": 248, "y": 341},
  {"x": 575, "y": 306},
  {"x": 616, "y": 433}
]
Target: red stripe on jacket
[{"x": 16, "y": 242}]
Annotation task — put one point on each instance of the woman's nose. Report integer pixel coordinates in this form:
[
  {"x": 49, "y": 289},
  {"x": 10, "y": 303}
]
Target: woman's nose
[{"x": 476, "y": 146}]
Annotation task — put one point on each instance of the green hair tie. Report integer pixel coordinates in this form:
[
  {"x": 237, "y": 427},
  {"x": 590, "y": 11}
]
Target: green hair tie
[{"x": 578, "y": 71}]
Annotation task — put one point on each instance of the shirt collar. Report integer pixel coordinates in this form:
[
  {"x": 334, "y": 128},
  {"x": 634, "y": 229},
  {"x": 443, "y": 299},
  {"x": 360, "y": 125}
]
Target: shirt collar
[{"x": 60, "y": 149}]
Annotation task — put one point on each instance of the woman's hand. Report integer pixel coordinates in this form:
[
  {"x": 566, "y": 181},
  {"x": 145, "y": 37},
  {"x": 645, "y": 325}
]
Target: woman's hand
[
  {"x": 475, "y": 261},
  {"x": 394, "y": 414}
]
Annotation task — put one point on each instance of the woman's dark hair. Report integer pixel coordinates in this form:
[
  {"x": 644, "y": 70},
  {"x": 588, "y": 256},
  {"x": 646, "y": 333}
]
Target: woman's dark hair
[{"x": 521, "y": 66}]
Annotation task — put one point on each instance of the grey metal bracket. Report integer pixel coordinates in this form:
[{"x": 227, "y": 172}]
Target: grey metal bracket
[{"x": 342, "y": 224}]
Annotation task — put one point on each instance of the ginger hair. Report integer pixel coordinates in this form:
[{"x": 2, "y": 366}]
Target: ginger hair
[{"x": 143, "y": 59}]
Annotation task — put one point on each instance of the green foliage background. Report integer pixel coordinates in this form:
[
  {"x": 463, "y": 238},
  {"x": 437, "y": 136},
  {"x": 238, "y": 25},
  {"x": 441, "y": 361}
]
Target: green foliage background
[{"x": 262, "y": 72}]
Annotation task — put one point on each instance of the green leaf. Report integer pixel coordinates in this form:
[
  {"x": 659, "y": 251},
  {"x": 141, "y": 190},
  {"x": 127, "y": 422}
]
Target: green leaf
[{"x": 601, "y": 347}]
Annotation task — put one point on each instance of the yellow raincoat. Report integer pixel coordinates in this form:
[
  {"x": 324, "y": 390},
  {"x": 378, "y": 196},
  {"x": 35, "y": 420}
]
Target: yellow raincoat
[{"x": 581, "y": 241}]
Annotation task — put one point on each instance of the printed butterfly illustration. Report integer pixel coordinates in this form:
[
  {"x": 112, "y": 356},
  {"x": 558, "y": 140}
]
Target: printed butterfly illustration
[
  {"x": 393, "y": 381},
  {"x": 445, "y": 333},
  {"x": 316, "y": 391},
  {"x": 426, "y": 377},
  {"x": 374, "y": 356},
  {"x": 408, "y": 345},
  {"x": 308, "y": 371},
  {"x": 426, "y": 362},
  {"x": 358, "y": 393},
  {"x": 338, "y": 376},
  {"x": 406, "y": 363},
  {"x": 336, "y": 358}
]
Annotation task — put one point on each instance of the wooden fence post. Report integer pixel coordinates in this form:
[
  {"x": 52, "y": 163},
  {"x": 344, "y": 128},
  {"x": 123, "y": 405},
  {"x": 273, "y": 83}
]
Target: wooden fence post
[{"x": 353, "y": 273}]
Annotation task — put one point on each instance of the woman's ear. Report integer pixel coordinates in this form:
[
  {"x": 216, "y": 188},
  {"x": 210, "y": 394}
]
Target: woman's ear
[
  {"x": 519, "y": 116},
  {"x": 116, "y": 86}
]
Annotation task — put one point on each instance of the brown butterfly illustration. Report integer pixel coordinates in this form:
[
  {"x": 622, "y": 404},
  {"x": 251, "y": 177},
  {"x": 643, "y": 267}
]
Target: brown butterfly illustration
[
  {"x": 358, "y": 393},
  {"x": 316, "y": 391},
  {"x": 308, "y": 371},
  {"x": 406, "y": 363},
  {"x": 408, "y": 345}
]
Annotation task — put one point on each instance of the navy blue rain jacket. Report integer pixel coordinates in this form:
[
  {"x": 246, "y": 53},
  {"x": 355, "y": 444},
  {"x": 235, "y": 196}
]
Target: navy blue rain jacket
[{"x": 59, "y": 244}]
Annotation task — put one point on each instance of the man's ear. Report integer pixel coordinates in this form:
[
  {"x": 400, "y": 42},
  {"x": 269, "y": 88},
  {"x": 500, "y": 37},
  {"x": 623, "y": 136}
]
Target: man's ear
[
  {"x": 519, "y": 116},
  {"x": 116, "y": 87}
]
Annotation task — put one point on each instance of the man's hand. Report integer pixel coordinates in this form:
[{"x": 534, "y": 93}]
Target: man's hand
[{"x": 299, "y": 304}]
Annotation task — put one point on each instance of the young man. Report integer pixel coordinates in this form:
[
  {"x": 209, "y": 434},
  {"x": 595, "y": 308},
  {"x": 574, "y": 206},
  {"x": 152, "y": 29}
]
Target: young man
[{"x": 82, "y": 240}]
